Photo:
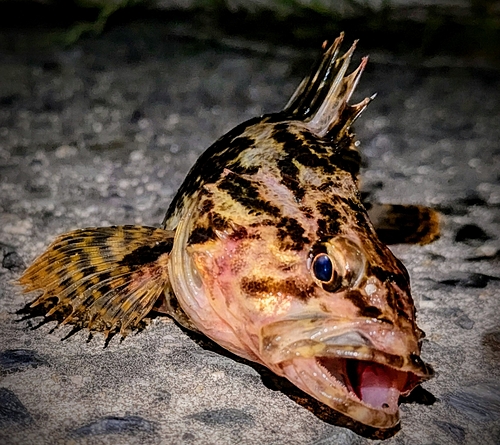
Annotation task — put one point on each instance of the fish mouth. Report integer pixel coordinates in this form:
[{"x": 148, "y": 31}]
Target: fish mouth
[
  {"x": 345, "y": 370},
  {"x": 365, "y": 391}
]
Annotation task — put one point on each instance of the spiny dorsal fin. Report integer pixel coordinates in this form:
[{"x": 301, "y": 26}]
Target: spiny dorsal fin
[
  {"x": 321, "y": 98},
  {"x": 105, "y": 278}
]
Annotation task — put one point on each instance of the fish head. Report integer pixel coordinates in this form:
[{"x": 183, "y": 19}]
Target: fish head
[{"x": 330, "y": 311}]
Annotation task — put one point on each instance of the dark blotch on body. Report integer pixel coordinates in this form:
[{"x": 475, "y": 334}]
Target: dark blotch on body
[
  {"x": 357, "y": 299},
  {"x": 354, "y": 205},
  {"x": 291, "y": 234},
  {"x": 200, "y": 235},
  {"x": 330, "y": 226},
  {"x": 288, "y": 170},
  {"x": 257, "y": 287},
  {"x": 348, "y": 160},
  {"x": 247, "y": 194},
  {"x": 207, "y": 205},
  {"x": 307, "y": 211},
  {"x": 311, "y": 151},
  {"x": 300, "y": 147},
  {"x": 241, "y": 143},
  {"x": 212, "y": 162},
  {"x": 292, "y": 184},
  {"x": 239, "y": 233},
  {"x": 371, "y": 312},
  {"x": 217, "y": 221},
  {"x": 236, "y": 147},
  {"x": 146, "y": 254},
  {"x": 402, "y": 280},
  {"x": 89, "y": 270}
]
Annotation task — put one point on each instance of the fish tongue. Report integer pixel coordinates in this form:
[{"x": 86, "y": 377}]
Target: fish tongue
[{"x": 380, "y": 386}]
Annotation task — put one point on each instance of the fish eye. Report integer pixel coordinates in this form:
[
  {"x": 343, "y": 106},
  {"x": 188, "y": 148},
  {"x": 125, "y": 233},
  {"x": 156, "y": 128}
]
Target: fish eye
[
  {"x": 323, "y": 268},
  {"x": 337, "y": 263}
]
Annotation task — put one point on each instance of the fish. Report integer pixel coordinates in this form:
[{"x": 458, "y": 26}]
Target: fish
[{"x": 268, "y": 249}]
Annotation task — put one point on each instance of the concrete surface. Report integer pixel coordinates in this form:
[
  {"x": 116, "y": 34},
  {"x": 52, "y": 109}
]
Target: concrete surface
[{"x": 103, "y": 133}]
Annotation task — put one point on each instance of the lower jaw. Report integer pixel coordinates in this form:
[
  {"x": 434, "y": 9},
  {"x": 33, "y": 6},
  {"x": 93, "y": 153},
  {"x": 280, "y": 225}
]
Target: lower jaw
[{"x": 310, "y": 376}]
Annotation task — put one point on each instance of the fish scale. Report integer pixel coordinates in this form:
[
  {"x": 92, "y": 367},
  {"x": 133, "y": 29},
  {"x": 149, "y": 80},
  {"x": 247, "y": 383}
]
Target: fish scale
[{"x": 268, "y": 250}]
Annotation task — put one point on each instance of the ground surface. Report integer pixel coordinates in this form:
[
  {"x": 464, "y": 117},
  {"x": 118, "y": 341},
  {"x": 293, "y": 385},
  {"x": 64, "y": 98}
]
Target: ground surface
[{"x": 103, "y": 133}]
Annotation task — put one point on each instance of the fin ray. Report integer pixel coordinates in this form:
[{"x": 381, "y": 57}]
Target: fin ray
[
  {"x": 105, "y": 278},
  {"x": 321, "y": 99},
  {"x": 410, "y": 224}
]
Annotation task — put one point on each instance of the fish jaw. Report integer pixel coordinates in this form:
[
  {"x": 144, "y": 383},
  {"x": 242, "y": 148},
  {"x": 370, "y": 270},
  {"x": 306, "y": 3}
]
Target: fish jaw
[
  {"x": 316, "y": 378},
  {"x": 337, "y": 363}
]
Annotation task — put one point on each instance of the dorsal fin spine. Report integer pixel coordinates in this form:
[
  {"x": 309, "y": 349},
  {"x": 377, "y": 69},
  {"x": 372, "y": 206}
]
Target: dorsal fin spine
[{"x": 321, "y": 100}]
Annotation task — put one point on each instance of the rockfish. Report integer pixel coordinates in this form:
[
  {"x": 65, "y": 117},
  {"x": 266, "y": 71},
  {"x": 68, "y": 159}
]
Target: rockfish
[{"x": 268, "y": 250}]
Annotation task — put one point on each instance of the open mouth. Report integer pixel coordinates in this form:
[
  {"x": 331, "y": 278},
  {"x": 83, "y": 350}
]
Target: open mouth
[
  {"x": 364, "y": 390},
  {"x": 376, "y": 385},
  {"x": 339, "y": 365}
]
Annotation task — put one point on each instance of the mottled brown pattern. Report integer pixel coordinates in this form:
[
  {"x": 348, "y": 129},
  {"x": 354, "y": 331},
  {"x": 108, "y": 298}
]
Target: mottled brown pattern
[{"x": 258, "y": 287}]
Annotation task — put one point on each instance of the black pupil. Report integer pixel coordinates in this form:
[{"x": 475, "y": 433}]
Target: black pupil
[{"x": 323, "y": 268}]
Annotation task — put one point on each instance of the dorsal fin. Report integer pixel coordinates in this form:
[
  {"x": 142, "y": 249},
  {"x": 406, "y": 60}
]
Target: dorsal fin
[{"x": 321, "y": 98}]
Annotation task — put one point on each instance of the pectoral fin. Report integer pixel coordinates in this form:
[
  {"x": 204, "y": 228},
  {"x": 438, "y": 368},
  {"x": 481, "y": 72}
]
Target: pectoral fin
[
  {"x": 104, "y": 279},
  {"x": 410, "y": 224}
]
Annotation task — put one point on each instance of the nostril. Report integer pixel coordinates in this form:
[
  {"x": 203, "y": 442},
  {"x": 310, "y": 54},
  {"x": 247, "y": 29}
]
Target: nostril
[{"x": 385, "y": 320}]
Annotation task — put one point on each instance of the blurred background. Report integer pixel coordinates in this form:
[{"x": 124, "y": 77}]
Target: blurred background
[{"x": 468, "y": 29}]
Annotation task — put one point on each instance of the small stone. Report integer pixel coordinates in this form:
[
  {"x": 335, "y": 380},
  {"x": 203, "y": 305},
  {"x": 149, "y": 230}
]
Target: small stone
[
  {"x": 12, "y": 410},
  {"x": 15, "y": 360},
  {"x": 455, "y": 431},
  {"x": 471, "y": 232},
  {"x": 12, "y": 261},
  {"x": 137, "y": 115},
  {"x": 475, "y": 280},
  {"x": 464, "y": 322},
  {"x": 114, "y": 425},
  {"x": 66, "y": 151}
]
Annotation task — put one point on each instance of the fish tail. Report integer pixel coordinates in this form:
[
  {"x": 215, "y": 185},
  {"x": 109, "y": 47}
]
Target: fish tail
[
  {"x": 321, "y": 98},
  {"x": 103, "y": 279},
  {"x": 411, "y": 224}
]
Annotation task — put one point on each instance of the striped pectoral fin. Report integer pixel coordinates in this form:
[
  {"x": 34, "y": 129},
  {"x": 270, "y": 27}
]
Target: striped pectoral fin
[
  {"x": 104, "y": 279},
  {"x": 410, "y": 224}
]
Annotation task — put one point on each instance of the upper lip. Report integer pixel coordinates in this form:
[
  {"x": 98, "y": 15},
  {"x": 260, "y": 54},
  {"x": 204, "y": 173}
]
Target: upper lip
[{"x": 328, "y": 337}]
